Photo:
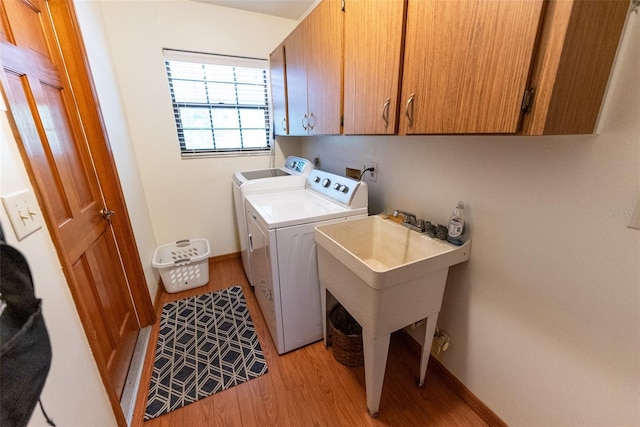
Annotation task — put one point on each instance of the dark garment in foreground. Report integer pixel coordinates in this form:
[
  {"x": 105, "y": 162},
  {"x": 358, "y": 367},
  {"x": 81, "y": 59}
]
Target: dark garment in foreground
[{"x": 25, "y": 350}]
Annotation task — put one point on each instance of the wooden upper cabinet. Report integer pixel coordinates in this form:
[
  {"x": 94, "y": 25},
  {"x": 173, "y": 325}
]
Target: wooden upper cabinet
[
  {"x": 324, "y": 74},
  {"x": 314, "y": 72},
  {"x": 372, "y": 59},
  {"x": 466, "y": 65},
  {"x": 463, "y": 66},
  {"x": 277, "y": 72},
  {"x": 578, "y": 43},
  {"x": 296, "y": 79}
]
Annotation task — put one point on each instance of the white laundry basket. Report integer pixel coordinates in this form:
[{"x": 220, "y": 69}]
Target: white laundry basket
[{"x": 183, "y": 265}]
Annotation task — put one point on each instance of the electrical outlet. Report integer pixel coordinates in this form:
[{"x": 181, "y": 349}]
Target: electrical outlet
[
  {"x": 23, "y": 212},
  {"x": 373, "y": 175}
]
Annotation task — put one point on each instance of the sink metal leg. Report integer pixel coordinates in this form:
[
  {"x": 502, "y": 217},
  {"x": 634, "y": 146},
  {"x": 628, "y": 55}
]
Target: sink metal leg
[
  {"x": 375, "y": 362},
  {"x": 426, "y": 347}
]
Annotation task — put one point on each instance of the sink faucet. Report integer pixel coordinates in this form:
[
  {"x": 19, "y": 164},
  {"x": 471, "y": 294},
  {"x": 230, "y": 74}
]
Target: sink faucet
[
  {"x": 410, "y": 221},
  {"x": 409, "y": 218}
]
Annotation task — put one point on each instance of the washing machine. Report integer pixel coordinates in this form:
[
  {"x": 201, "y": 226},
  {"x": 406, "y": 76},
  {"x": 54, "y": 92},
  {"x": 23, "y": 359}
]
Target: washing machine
[
  {"x": 284, "y": 266},
  {"x": 292, "y": 175}
]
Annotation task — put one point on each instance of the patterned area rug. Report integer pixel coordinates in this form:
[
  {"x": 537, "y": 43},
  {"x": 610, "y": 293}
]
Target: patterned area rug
[{"x": 206, "y": 344}]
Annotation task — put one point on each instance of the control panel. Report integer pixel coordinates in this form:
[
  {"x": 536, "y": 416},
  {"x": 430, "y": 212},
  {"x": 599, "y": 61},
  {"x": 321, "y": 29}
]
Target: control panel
[
  {"x": 298, "y": 164},
  {"x": 335, "y": 187}
]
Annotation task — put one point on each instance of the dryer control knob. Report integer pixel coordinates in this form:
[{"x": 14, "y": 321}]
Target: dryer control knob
[
  {"x": 336, "y": 186},
  {"x": 316, "y": 179},
  {"x": 344, "y": 189},
  {"x": 326, "y": 182}
]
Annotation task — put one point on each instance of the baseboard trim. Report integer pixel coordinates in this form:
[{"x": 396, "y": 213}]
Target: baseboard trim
[
  {"x": 465, "y": 394},
  {"x": 223, "y": 258},
  {"x": 457, "y": 386}
]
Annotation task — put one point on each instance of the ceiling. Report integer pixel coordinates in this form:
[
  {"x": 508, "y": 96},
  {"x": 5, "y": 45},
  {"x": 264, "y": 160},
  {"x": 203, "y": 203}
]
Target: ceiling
[{"x": 292, "y": 9}]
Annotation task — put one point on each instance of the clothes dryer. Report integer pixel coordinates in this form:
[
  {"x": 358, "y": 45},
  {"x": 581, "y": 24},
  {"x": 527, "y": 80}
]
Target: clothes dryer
[{"x": 283, "y": 251}]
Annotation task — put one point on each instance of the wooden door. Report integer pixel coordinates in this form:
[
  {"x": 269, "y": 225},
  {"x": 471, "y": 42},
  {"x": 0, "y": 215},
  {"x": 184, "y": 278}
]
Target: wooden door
[
  {"x": 54, "y": 144},
  {"x": 277, "y": 71},
  {"x": 296, "y": 78},
  {"x": 372, "y": 53},
  {"x": 466, "y": 65},
  {"x": 324, "y": 68}
]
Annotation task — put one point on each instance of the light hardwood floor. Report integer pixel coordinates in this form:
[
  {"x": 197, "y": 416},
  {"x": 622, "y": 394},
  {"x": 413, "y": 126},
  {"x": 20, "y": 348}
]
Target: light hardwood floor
[{"x": 308, "y": 387}]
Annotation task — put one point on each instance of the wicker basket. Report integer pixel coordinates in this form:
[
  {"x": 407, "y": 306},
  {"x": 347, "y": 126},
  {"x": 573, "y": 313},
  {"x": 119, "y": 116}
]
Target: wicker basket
[{"x": 346, "y": 338}]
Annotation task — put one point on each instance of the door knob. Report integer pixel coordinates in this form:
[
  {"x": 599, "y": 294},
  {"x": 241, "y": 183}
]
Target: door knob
[{"x": 106, "y": 214}]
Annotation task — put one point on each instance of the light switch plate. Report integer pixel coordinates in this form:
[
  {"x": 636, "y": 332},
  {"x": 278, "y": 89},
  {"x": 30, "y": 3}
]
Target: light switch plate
[{"x": 24, "y": 213}]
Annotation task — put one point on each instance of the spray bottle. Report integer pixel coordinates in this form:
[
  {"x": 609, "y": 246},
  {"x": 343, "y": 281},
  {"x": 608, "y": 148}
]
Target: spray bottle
[{"x": 456, "y": 225}]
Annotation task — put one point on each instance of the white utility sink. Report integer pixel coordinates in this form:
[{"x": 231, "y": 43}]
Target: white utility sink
[{"x": 387, "y": 277}]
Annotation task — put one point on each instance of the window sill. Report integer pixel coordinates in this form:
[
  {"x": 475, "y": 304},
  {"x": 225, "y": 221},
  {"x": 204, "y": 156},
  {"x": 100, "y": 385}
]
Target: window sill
[{"x": 191, "y": 156}]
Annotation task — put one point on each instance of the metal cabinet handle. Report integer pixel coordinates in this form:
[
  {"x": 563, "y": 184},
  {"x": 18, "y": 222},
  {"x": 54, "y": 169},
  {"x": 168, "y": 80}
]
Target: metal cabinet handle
[
  {"x": 409, "y": 109},
  {"x": 385, "y": 112},
  {"x": 250, "y": 243},
  {"x": 305, "y": 122},
  {"x": 284, "y": 124},
  {"x": 311, "y": 123}
]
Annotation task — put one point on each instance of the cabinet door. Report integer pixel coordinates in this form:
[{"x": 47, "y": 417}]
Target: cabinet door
[
  {"x": 373, "y": 42},
  {"x": 277, "y": 69},
  {"x": 466, "y": 65},
  {"x": 568, "y": 77},
  {"x": 296, "y": 78},
  {"x": 324, "y": 67}
]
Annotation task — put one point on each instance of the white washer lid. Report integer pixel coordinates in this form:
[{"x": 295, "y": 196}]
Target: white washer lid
[
  {"x": 288, "y": 208},
  {"x": 275, "y": 183},
  {"x": 293, "y": 166}
]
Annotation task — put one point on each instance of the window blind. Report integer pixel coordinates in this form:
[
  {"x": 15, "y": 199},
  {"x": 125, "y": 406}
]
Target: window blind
[{"x": 220, "y": 103}]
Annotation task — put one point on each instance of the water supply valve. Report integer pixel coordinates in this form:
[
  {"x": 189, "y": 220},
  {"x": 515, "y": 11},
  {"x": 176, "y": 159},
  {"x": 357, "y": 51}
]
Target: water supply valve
[{"x": 441, "y": 341}]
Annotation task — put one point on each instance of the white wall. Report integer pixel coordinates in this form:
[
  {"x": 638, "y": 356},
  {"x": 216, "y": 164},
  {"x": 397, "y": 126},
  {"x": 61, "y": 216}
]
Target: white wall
[
  {"x": 186, "y": 198},
  {"x": 545, "y": 317},
  {"x": 73, "y": 394}
]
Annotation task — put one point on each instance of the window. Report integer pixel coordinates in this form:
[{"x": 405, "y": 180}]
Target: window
[{"x": 220, "y": 103}]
